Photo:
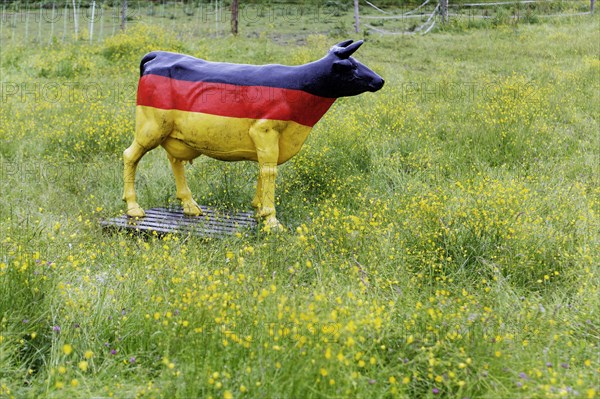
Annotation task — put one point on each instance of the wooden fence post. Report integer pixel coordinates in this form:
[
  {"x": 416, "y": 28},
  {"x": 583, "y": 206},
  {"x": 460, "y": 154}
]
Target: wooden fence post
[
  {"x": 92, "y": 21},
  {"x": 234, "y": 17},
  {"x": 40, "y": 23},
  {"x": 124, "y": 15},
  {"x": 75, "y": 20},
  {"x": 65, "y": 17},
  {"x": 444, "y": 10},
  {"x": 356, "y": 17}
]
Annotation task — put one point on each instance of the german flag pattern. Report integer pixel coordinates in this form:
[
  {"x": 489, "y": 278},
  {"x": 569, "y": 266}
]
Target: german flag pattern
[{"x": 235, "y": 112}]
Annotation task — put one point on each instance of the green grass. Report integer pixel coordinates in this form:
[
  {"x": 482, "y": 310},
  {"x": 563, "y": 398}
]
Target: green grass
[{"x": 442, "y": 233}]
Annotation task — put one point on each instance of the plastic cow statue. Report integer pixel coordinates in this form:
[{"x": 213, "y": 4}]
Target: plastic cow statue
[{"x": 236, "y": 112}]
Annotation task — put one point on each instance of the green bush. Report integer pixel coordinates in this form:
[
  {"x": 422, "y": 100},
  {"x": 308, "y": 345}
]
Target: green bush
[{"x": 140, "y": 39}]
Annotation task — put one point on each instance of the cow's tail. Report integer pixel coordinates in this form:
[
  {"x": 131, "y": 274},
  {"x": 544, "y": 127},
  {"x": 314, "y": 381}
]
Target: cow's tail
[{"x": 147, "y": 58}]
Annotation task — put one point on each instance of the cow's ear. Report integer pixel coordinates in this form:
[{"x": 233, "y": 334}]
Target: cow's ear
[{"x": 342, "y": 65}]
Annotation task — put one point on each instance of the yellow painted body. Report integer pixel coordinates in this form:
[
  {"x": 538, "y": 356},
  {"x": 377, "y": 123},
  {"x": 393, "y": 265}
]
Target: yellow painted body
[
  {"x": 225, "y": 138},
  {"x": 186, "y": 135}
]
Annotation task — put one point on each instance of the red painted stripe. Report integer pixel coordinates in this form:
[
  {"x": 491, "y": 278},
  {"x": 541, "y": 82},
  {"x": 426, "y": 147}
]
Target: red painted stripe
[{"x": 255, "y": 102}]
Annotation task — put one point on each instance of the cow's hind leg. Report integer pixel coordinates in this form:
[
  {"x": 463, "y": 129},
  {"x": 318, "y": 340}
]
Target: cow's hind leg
[
  {"x": 152, "y": 127},
  {"x": 190, "y": 207},
  {"x": 131, "y": 158}
]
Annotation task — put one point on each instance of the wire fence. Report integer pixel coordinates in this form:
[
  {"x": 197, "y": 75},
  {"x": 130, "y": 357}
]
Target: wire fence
[
  {"x": 423, "y": 19},
  {"x": 72, "y": 20},
  {"x": 35, "y": 23}
]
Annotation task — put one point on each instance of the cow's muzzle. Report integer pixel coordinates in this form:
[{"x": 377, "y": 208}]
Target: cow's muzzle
[{"x": 376, "y": 84}]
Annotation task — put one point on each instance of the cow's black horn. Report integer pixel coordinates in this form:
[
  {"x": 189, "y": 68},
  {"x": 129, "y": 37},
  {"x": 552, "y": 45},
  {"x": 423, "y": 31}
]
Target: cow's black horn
[
  {"x": 345, "y": 52},
  {"x": 344, "y": 43},
  {"x": 340, "y": 46}
]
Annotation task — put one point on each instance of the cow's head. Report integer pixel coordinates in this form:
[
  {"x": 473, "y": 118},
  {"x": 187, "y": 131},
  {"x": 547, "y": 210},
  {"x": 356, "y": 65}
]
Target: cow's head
[{"x": 348, "y": 76}]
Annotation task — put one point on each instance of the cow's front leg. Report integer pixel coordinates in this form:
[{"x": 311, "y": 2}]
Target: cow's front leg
[
  {"x": 266, "y": 142},
  {"x": 190, "y": 207},
  {"x": 257, "y": 197}
]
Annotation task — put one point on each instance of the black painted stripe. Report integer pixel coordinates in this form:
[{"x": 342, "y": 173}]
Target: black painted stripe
[{"x": 188, "y": 68}]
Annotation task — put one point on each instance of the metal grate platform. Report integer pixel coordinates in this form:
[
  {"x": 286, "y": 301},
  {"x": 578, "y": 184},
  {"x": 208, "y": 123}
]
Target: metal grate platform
[{"x": 213, "y": 222}]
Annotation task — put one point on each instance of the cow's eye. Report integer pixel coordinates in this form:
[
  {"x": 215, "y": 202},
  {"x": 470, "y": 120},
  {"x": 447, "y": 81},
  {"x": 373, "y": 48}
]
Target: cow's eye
[{"x": 343, "y": 66}]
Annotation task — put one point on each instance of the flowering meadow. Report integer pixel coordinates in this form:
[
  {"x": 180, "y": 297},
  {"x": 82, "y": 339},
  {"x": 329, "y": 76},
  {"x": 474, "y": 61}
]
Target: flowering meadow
[{"x": 442, "y": 234}]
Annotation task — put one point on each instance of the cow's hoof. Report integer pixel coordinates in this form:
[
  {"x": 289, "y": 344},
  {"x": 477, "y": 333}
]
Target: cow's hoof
[
  {"x": 272, "y": 225},
  {"x": 191, "y": 208},
  {"x": 135, "y": 211},
  {"x": 266, "y": 213}
]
